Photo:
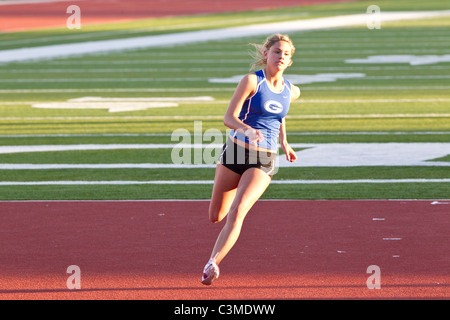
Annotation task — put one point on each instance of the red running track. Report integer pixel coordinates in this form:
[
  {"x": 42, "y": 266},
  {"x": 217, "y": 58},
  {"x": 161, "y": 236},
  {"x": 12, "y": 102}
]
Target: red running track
[
  {"x": 287, "y": 250},
  {"x": 29, "y": 16}
]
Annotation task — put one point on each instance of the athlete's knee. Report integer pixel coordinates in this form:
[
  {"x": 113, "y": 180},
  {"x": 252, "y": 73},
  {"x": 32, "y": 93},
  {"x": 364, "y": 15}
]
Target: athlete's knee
[
  {"x": 242, "y": 208},
  {"x": 237, "y": 213}
]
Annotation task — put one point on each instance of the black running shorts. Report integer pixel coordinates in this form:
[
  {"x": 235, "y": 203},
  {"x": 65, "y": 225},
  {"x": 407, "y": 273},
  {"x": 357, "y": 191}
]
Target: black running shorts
[{"x": 238, "y": 159}]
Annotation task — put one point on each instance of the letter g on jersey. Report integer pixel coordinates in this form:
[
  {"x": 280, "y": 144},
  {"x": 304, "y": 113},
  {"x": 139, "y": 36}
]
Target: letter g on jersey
[{"x": 273, "y": 106}]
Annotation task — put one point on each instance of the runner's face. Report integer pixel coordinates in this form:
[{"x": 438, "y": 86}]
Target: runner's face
[{"x": 279, "y": 55}]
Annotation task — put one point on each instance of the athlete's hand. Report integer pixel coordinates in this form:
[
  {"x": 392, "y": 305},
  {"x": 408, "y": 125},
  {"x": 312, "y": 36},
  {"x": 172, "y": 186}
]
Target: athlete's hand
[
  {"x": 291, "y": 156},
  {"x": 254, "y": 136}
]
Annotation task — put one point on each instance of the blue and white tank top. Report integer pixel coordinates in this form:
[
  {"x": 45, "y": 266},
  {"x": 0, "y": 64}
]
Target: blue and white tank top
[{"x": 265, "y": 111}]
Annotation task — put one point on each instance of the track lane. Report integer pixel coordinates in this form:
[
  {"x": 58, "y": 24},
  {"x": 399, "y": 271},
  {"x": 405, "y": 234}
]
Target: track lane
[{"x": 287, "y": 250}]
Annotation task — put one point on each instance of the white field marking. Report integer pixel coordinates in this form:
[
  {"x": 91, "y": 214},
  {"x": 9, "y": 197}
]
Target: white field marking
[
  {"x": 168, "y": 64},
  {"x": 120, "y": 104},
  {"x": 124, "y": 70},
  {"x": 157, "y": 62},
  {"x": 352, "y": 133},
  {"x": 362, "y": 116},
  {"x": 409, "y": 77},
  {"x": 151, "y": 60},
  {"x": 312, "y": 155},
  {"x": 377, "y": 88},
  {"x": 211, "y": 69},
  {"x": 203, "y": 182},
  {"x": 432, "y": 148},
  {"x": 57, "y": 80},
  {"x": 111, "y": 106},
  {"x": 299, "y": 78},
  {"x": 25, "y": 166},
  {"x": 69, "y": 135},
  {"x": 365, "y": 68},
  {"x": 159, "y": 99},
  {"x": 376, "y": 50},
  {"x": 378, "y": 219},
  {"x": 372, "y": 100},
  {"x": 368, "y": 154},
  {"x": 84, "y": 147},
  {"x": 210, "y": 100},
  {"x": 311, "y": 88},
  {"x": 81, "y": 166},
  {"x": 395, "y": 239},
  {"x": 413, "y": 60},
  {"x": 374, "y": 45},
  {"x": 86, "y": 36},
  {"x": 96, "y": 90},
  {"x": 200, "y": 117},
  {"x": 120, "y": 182},
  {"x": 89, "y": 47},
  {"x": 215, "y": 23}
]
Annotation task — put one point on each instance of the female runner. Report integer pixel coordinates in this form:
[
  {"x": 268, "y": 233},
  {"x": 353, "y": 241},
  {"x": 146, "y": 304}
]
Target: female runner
[{"x": 256, "y": 115}]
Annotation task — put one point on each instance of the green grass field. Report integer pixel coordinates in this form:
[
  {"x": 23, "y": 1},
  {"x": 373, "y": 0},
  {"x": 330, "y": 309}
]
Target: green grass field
[{"x": 393, "y": 102}]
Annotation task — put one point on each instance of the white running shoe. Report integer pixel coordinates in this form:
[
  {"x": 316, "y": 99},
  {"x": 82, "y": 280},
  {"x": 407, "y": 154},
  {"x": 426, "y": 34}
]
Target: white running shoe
[{"x": 210, "y": 272}]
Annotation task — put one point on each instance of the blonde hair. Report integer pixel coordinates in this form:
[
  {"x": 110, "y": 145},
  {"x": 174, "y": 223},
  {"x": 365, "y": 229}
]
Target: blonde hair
[{"x": 258, "y": 55}]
